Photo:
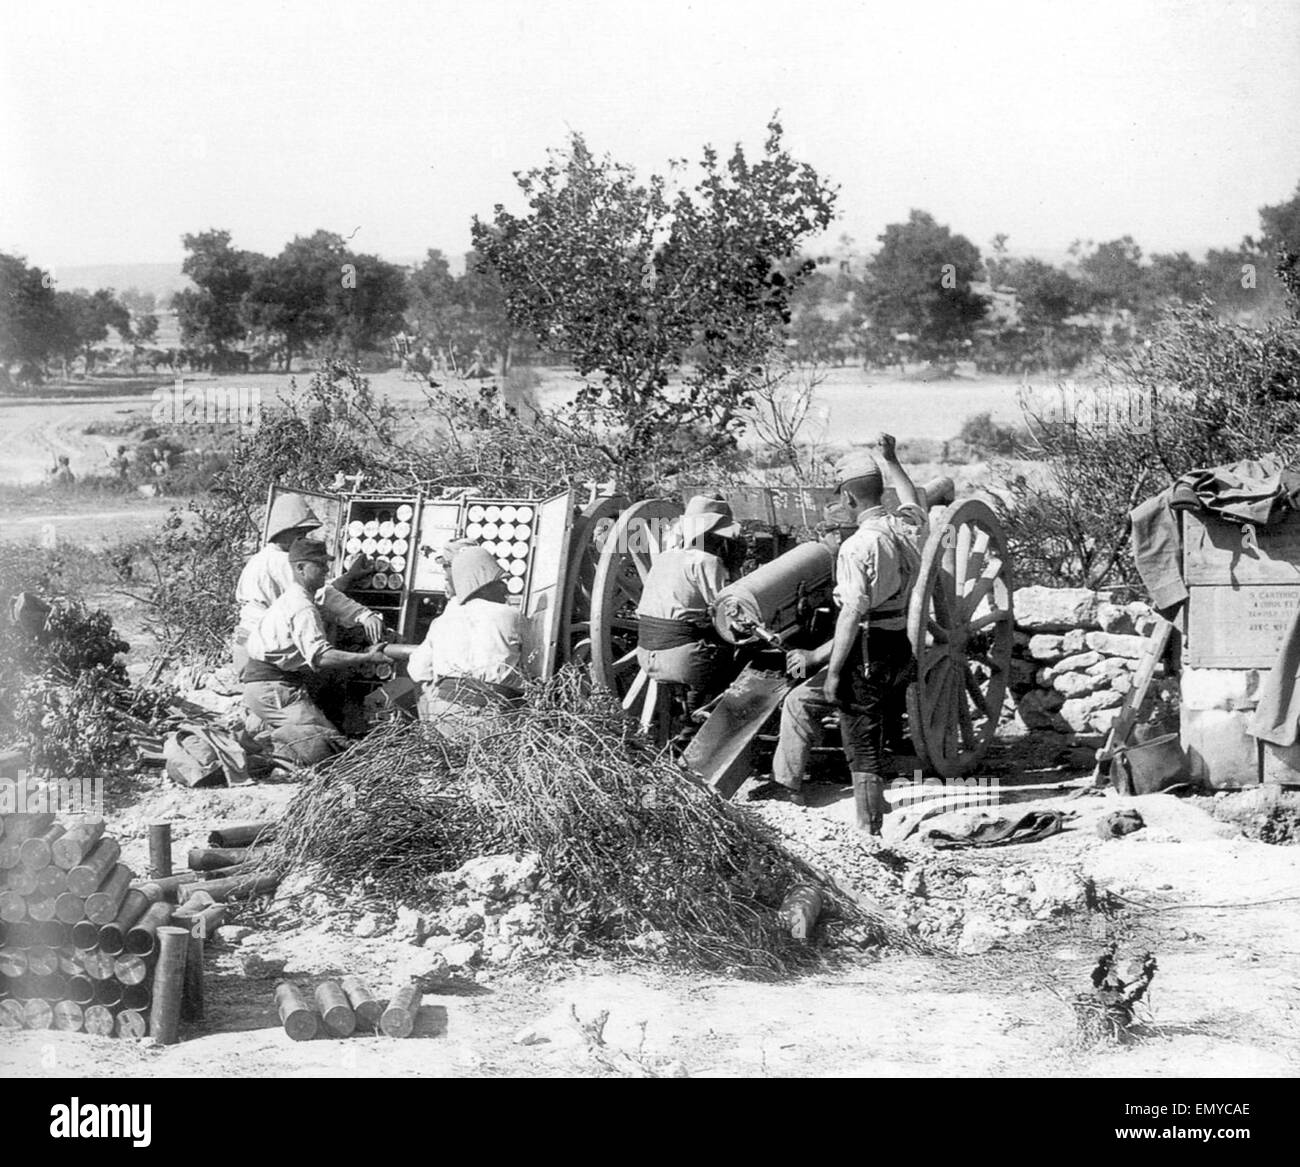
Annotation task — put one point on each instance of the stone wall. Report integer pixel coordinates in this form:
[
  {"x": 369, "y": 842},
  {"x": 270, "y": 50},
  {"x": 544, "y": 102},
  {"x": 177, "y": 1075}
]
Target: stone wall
[{"x": 1075, "y": 655}]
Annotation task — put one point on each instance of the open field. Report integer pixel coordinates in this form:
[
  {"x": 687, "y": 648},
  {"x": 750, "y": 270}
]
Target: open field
[{"x": 851, "y": 406}]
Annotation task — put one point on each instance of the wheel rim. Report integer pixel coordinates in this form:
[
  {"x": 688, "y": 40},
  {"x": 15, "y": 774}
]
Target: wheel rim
[
  {"x": 961, "y": 628},
  {"x": 590, "y": 531},
  {"x": 642, "y": 532}
]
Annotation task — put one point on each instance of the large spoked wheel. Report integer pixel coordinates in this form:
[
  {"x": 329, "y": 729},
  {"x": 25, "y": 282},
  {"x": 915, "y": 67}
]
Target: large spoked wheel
[
  {"x": 634, "y": 542},
  {"x": 590, "y": 531},
  {"x": 961, "y": 628}
]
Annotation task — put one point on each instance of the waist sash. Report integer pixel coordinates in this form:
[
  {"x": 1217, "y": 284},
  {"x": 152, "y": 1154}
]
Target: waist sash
[
  {"x": 656, "y": 634},
  {"x": 259, "y": 670}
]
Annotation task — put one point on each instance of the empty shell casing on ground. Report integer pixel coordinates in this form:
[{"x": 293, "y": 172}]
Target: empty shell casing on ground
[
  {"x": 241, "y": 834},
  {"x": 102, "y": 906},
  {"x": 85, "y": 878},
  {"x": 192, "y": 987},
  {"x": 335, "y": 1011},
  {"x": 77, "y": 843},
  {"x": 298, "y": 1018},
  {"x": 398, "y": 1019},
  {"x": 85, "y": 934},
  {"x": 37, "y": 1014},
  {"x": 368, "y": 1010},
  {"x": 136, "y": 996},
  {"x": 131, "y": 1023},
  {"x": 42, "y": 911},
  {"x": 140, "y": 939},
  {"x": 108, "y": 992},
  {"x": 17, "y": 828},
  {"x": 13, "y": 907},
  {"x": 69, "y": 907},
  {"x": 112, "y": 936},
  {"x": 24, "y": 881},
  {"x": 131, "y": 970},
  {"x": 51, "y": 881},
  {"x": 11, "y": 1013},
  {"x": 81, "y": 990},
  {"x": 36, "y": 852},
  {"x": 239, "y": 886},
  {"x": 42, "y": 961},
  {"x": 217, "y": 858},
  {"x": 97, "y": 965},
  {"x": 69, "y": 1016},
  {"x": 55, "y": 933},
  {"x": 98, "y": 1019},
  {"x": 13, "y": 962},
  {"x": 168, "y": 984},
  {"x": 168, "y": 888},
  {"x": 160, "y": 850},
  {"x": 68, "y": 962},
  {"x": 209, "y": 920}
]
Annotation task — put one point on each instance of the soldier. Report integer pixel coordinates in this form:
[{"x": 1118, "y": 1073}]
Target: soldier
[
  {"x": 469, "y": 660},
  {"x": 287, "y": 652},
  {"x": 676, "y": 641},
  {"x": 863, "y": 667},
  {"x": 268, "y": 574}
]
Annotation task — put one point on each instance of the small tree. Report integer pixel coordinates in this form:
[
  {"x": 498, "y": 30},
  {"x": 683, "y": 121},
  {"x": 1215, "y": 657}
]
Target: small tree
[{"x": 637, "y": 284}]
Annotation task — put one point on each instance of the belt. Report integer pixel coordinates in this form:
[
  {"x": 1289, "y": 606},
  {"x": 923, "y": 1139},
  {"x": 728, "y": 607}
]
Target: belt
[{"x": 656, "y": 634}]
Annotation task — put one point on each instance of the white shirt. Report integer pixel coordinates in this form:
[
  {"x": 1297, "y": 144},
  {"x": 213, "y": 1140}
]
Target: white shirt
[
  {"x": 682, "y": 585},
  {"x": 291, "y": 633},
  {"x": 478, "y": 639},
  {"x": 268, "y": 575},
  {"x": 869, "y": 569}
]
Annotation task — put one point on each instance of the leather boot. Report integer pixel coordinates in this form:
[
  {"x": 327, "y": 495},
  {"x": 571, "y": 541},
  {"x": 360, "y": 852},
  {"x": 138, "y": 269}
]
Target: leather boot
[{"x": 869, "y": 801}]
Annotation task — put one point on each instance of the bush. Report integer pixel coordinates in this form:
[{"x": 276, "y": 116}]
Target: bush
[{"x": 1201, "y": 392}]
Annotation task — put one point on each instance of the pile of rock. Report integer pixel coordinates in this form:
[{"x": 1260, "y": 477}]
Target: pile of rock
[
  {"x": 490, "y": 916},
  {"x": 1075, "y": 655}
]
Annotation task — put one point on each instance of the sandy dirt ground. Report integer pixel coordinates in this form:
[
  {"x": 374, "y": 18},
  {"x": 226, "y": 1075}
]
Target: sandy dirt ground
[{"x": 1216, "y": 908}]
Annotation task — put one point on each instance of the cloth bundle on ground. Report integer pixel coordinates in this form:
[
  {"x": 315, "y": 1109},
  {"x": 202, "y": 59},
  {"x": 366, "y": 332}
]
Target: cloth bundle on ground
[
  {"x": 1120, "y": 822},
  {"x": 197, "y": 754},
  {"x": 967, "y": 829}
]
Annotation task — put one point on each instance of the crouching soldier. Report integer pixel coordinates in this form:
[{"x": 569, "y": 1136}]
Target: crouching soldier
[
  {"x": 287, "y": 652},
  {"x": 469, "y": 659},
  {"x": 267, "y": 575}
]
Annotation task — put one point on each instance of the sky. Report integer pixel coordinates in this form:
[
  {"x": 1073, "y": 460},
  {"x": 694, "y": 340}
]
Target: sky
[{"x": 124, "y": 126}]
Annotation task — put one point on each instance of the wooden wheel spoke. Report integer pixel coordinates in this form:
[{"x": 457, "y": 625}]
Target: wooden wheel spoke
[
  {"x": 982, "y": 588},
  {"x": 998, "y": 616},
  {"x": 650, "y": 706},
  {"x": 964, "y": 719},
  {"x": 977, "y": 695},
  {"x": 626, "y": 663},
  {"x": 940, "y": 656},
  {"x": 634, "y": 693},
  {"x": 936, "y": 630},
  {"x": 961, "y": 557}
]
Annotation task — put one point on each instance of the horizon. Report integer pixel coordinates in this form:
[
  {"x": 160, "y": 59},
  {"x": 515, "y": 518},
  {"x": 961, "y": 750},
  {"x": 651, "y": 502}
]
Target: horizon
[{"x": 395, "y": 124}]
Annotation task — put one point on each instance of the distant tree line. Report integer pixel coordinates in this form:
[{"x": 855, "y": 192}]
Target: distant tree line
[{"x": 928, "y": 294}]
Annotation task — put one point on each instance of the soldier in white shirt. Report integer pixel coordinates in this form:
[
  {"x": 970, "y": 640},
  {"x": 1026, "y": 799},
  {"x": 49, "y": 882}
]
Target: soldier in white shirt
[
  {"x": 865, "y": 665},
  {"x": 469, "y": 660},
  {"x": 267, "y": 574},
  {"x": 676, "y": 640},
  {"x": 287, "y": 651}
]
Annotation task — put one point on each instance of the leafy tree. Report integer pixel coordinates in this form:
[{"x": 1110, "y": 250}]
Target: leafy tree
[
  {"x": 211, "y": 313},
  {"x": 290, "y": 295},
  {"x": 632, "y": 280},
  {"x": 1114, "y": 273},
  {"x": 87, "y": 318},
  {"x": 1173, "y": 279},
  {"x": 919, "y": 282},
  {"x": 146, "y": 329},
  {"x": 137, "y": 302},
  {"x": 365, "y": 303},
  {"x": 32, "y": 329},
  {"x": 1279, "y": 228},
  {"x": 1047, "y": 295}
]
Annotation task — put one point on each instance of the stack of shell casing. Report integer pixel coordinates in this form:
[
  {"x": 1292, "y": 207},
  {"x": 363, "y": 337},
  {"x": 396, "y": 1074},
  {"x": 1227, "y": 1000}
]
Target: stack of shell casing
[{"x": 77, "y": 940}]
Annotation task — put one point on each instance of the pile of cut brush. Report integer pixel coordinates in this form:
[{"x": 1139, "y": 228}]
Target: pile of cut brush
[{"x": 630, "y": 844}]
